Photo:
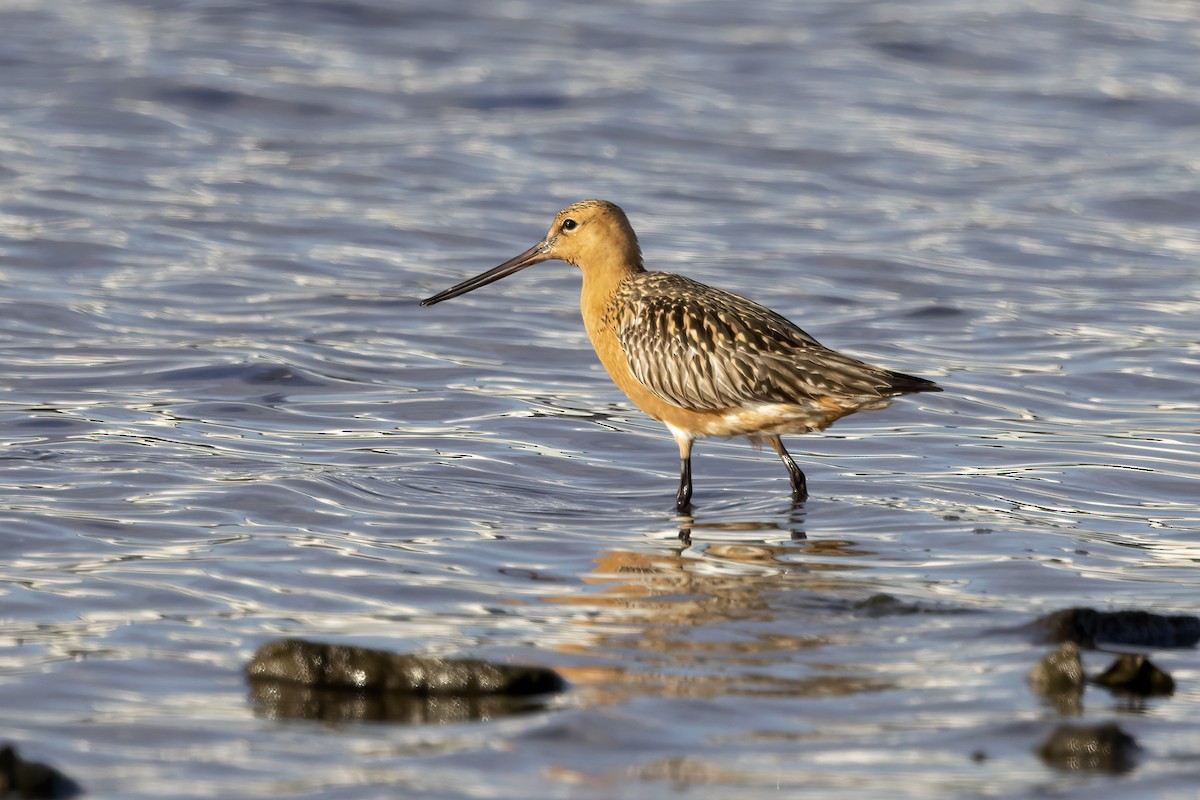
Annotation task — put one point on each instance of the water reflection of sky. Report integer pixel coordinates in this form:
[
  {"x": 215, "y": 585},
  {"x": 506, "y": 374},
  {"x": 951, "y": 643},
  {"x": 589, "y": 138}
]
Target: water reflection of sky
[{"x": 225, "y": 420}]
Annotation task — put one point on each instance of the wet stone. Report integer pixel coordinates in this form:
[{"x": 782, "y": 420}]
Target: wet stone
[
  {"x": 883, "y": 604},
  {"x": 1060, "y": 671},
  {"x": 1100, "y": 748},
  {"x": 330, "y": 666},
  {"x": 21, "y": 778},
  {"x": 1059, "y": 678},
  {"x": 1087, "y": 626},
  {"x": 1135, "y": 674}
]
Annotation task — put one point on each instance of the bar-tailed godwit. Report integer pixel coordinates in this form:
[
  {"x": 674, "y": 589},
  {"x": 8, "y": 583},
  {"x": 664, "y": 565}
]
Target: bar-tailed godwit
[{"x": 703, "y": 361}]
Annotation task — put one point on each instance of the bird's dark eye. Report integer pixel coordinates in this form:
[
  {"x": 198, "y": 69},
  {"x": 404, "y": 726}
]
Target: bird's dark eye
[{"x": 569, "y": 225}]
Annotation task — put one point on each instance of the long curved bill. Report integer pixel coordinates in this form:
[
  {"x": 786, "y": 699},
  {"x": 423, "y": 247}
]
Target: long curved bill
[{"x": 539, "y": 252}]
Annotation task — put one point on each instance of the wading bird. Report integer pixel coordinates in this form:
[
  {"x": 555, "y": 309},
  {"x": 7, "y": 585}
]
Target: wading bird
[{"x": 702, "y": 361}]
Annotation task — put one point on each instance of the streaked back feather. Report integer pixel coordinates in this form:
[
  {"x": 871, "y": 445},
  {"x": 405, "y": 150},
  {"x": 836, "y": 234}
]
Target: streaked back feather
[{"x": 705, "y": 349}]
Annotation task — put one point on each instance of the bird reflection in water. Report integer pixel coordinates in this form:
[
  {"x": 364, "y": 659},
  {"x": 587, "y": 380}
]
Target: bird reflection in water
[{"x": 794, "y": 526}]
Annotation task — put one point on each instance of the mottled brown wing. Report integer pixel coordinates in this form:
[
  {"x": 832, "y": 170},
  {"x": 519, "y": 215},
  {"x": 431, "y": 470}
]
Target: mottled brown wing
[{"x": 705, "y": 349}]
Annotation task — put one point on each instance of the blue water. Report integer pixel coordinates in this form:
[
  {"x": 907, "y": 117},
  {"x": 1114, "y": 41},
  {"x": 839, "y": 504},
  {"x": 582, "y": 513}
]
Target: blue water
[{"x": 225, "y": 419}]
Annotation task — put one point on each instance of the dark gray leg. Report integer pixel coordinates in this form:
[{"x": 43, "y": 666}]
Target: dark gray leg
[
  {"x": 799, "y": 484},
  {"x": 683, "y": 498}
]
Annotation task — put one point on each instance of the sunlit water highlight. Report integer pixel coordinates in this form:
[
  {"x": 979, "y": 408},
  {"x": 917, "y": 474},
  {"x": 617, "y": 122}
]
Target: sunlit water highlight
[{"x": 225, "y": 419}]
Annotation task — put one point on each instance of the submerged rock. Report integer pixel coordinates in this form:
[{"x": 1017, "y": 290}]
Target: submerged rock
[
  {"x": 310, "y": 680},
  {"x": 1136, "y": 674},
  {"x": 1102, "y": 748},
  {"x": 21, "y": 778},
  {"x": 1087, "y": 626}
]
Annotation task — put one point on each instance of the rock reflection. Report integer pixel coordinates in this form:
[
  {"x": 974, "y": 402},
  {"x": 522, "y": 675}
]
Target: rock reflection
[
  {"x": 288, "y": 701},
  {"x": 1093, "y": 748}
]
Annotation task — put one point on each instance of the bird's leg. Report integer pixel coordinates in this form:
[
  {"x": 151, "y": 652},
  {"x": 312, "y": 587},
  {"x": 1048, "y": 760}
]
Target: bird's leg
[
  {"x": 799, "y": 484},
  {"x": 683, "y": 498}
]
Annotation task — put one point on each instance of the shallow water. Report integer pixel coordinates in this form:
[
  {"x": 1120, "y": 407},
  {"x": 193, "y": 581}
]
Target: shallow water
[{"x": 226, "y": 420}]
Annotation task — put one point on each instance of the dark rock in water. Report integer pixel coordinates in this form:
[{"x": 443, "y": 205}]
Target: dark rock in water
[
  {"x": 1060, "y": 671},
  {"x": 882, "y": 604},
  {"x": 1058, "y": 677},
  {"x": 1087, "y": 626},
  {"x": 21, "y": 778},
  {"x": 293, "y": 678},
  {"x": 1136, "y": 674},
  {"x": 1103, "y": 748},
  {"x": 332, "y": 666}
]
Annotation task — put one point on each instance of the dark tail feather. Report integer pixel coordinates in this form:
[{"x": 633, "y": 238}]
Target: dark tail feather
[{"x": 899, "y": 383}]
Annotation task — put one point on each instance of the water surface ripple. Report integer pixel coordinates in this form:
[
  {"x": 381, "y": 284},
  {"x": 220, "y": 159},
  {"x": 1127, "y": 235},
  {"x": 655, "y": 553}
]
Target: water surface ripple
[{"x": 224, "y": 418}]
